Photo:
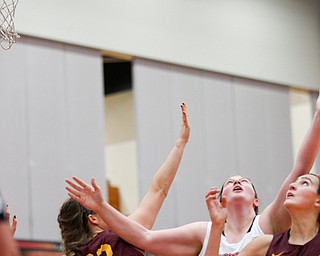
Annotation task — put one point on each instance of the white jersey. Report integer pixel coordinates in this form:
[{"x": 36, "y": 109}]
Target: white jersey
[{"x": 231, "y": 249}]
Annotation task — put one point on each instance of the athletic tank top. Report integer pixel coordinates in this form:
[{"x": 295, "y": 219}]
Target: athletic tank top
[
  {"x": 232, "y": 249},
  {"x": 107, "y": 243},
  {"x": 280, "y": 246}
]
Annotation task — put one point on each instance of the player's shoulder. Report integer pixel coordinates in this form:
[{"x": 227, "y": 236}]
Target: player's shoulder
[{"x": 257, "y": 246}]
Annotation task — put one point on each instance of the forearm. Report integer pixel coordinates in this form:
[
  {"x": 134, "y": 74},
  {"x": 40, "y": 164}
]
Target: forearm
[
  {"x": 214, "y": 240},
  {"x": 150, "y": 205},
  {"x": 257, "y": 247},
  {"x": 128, "y": 229},
  {"x": 309, "y": 147},
  {"x": 275, "y": 217},
  {"x": 166, "y": 173},
  {"x": 184, "y": 240}
]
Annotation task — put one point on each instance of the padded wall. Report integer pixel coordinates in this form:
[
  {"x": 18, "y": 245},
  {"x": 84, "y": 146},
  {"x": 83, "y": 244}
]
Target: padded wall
[
  {"x": 238, "y": 126},
  {"x": 51, "y": 109}
]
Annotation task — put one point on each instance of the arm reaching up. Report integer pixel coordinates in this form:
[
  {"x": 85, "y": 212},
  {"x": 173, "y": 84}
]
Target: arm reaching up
[
  {"x": 77, "y": 233},
  {"x": 218, "y": 215},
  {"x": 148, "y": 209},
  {"x": 182, "y": 241},
  {"x": 275, "y": 218}
]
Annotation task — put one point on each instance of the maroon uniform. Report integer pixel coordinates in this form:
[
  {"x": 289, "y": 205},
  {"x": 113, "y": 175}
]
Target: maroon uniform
[
  {"x": 280, "y": 246},
  {"x": 107, "y": 243}
]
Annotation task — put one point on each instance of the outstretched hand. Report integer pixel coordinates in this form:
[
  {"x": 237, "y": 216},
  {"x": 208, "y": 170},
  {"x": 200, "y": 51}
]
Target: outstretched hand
[
  {"x": 217, "y": 209},
  {"x": 185, "y": 128},
  {"x": 89, "y": 196}
]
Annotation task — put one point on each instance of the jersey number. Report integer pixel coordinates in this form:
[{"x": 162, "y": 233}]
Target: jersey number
[{"x": 103, "y": 248}]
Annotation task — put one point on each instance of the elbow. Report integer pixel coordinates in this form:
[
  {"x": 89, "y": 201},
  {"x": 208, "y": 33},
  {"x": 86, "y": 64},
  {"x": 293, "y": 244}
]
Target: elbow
[
  {"x": 161, "y": 190},
  {"x": 164, "y": 192},
  {"x": 149, "y": 243}
]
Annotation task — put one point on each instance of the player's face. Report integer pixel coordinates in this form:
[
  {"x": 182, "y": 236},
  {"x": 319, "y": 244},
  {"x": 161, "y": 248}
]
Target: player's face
[
  {"x": 303, "y": 193},
  {"x": 238, "y": 187}
]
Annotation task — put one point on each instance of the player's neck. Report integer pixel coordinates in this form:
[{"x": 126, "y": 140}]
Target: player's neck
[
  {"x": 303, "y": 230},
  {"x": 239, "y": 213},
  {"x": 235, "y": 228}
]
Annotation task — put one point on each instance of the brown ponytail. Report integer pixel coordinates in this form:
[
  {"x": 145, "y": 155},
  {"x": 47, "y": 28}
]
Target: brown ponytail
[{"x": 74, "y": 227}]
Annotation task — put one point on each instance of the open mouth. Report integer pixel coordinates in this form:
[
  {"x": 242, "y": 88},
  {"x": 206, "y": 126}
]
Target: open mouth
[
  {"x": 237, "y": 188},
  {"x": 289, "y": 194}
]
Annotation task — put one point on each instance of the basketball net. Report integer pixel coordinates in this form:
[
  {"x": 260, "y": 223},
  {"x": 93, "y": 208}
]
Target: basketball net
[{"x": 8, "y": 34}]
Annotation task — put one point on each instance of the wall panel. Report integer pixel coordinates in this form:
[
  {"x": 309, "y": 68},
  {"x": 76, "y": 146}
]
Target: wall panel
[
  {"x": 54, "y": 104},
  {"x": 263, "y": 132},
  {"x": 238, "y": 126},
  {"x": 268, "y": 40},
  {"x": 153, "y": 121},
  {"x": 13, "y": 136}
]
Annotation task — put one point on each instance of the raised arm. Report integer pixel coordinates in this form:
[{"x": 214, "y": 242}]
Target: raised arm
[
  {"x": 183, "y": 241},
  {"x": 275, "y": 218},
  {"x": 148, "y": 210},
  {"x": 218, "y": 215}
]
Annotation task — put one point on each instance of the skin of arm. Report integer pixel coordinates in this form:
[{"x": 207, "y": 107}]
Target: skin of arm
[
  {"x": 8, "y": 246},
  {"x": 257, "y": 247},
  {"x": 275, "y": 218},
  {"x": 150, "y": 205},
  {"x": 214, "y": 240},
  {"x": 218, "y": 215},
  {"x": 182, "y": 241}
]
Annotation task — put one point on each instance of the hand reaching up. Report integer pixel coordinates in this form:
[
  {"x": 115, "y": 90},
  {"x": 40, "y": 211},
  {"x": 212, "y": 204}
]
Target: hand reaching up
[
  {"x": 217, "y": 209},
  {"x": 89, "y": 196},
  {"x": 185, "y": 128}
]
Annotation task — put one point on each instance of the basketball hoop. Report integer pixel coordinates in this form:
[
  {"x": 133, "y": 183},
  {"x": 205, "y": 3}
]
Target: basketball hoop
[{"x": 8, "y": 34}]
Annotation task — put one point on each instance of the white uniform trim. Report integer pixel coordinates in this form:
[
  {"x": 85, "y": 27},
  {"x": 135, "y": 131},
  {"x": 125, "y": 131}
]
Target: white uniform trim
[{"x": 227, "y": 248}]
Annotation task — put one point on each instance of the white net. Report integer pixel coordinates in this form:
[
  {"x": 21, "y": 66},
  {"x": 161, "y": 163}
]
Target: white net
[{"x": 8, "y": 34}]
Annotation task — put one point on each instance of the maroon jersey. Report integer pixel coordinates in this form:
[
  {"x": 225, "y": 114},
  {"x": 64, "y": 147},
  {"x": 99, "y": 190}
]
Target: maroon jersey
[
  {"x": 107, "y": 243},
  {"x": 280, "y": 246}
]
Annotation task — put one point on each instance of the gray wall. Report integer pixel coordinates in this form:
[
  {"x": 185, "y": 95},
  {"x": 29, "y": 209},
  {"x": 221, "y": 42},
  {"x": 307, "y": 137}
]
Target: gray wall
[
  {"x": 51, "y": 109},
  {"x": 238, "y": 126},
  {"x": 268, "y": 40}
]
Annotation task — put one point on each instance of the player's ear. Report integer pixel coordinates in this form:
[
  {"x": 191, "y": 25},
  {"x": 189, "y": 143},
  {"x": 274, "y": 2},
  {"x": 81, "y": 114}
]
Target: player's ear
[{"x": 92, "y": 218}]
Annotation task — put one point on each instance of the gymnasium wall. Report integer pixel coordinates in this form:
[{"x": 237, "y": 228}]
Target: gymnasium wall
[
  {"x": 238, "y": 126},
  {"x": 51, "y": 108},
  {"x": 268, "y": 40}
]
